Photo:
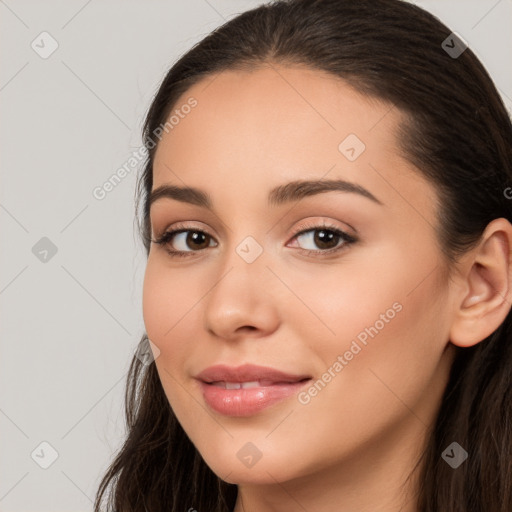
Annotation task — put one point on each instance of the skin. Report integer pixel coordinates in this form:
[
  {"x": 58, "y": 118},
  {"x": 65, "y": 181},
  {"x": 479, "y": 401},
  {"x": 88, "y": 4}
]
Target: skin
[{"x": 353, "y": 445}]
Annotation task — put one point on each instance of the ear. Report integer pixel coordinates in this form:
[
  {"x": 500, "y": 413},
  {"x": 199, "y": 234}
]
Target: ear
[{"x": 483, "y": 294}]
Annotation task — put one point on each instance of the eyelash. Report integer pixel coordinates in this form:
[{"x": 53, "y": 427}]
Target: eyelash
[{"x": 167, "y": 236}]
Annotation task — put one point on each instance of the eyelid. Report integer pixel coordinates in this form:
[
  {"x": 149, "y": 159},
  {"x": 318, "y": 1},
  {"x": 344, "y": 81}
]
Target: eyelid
[
  {"x": 303, "y": 226},
  {"x": 309, "y": 225},
  {"x": 177, "y": 226}
]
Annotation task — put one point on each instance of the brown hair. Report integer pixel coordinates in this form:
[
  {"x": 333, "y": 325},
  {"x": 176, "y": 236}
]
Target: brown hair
[{"x": 457, "y": 133}]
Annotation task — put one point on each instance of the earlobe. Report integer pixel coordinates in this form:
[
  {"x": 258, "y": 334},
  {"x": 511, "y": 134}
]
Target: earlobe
[{"x": 484, "y": 298}]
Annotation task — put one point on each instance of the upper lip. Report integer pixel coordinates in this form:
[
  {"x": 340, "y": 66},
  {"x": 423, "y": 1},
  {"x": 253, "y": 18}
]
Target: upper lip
[{"x": 247, "y": 373}]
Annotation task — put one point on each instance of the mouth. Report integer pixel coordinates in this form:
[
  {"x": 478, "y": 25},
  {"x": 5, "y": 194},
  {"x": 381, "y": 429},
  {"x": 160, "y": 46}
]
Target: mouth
[
  {"x": 248, "y": 389},
  {"x": 248, "y": 374},
  {"x": 252, "y": 384}
]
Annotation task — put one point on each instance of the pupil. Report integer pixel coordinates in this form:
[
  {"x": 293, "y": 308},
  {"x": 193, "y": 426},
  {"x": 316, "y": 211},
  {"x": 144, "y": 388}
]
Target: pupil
[
  {"x": 196, "y": 237},
  {"x": 323, "y": 238}
]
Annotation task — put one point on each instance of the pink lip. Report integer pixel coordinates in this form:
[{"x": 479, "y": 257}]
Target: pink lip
[
  {"x": 247, "y": 373},
  {"x": 274, "y": 387}
]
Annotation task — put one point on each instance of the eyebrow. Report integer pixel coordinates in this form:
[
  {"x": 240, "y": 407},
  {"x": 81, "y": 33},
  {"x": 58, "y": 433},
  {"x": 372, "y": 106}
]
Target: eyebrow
[{"x": 279, "y": 195}]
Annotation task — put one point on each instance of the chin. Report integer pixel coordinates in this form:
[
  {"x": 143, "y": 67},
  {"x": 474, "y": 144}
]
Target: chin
[{"x": 267, "y": 470}]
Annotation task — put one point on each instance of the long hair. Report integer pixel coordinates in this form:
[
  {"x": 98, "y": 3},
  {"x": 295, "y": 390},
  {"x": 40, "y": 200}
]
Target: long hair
[{"x": 457, "y": 132}]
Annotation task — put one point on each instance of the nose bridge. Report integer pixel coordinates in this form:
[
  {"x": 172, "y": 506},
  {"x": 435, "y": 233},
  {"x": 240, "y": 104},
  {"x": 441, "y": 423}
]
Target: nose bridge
[
  {"x": 243, "y": 265},
  {"x": 249, "y": 250},
  {"x": 246, "y": 242},
  {"x": 240, "y": 296}
]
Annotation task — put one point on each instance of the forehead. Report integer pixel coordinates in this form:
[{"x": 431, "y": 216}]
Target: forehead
[
  {"x": 271, "y": 112},
  {"x": 253, "y": 130}
]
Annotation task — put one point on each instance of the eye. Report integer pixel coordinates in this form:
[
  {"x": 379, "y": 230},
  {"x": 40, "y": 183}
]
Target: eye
[
  {"x": 327, "y": 239},
  {"x": 185, "y": 241},
  {"x": 178, "y": 241}
]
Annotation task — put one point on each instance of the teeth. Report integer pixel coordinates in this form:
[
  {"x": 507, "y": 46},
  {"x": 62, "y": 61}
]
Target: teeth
[
  {"x": 253, "y": 384},
  {"x": 237, "y": 385}
]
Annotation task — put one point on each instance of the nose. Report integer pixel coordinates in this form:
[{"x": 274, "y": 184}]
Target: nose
[{"x": 241, "y": 303}]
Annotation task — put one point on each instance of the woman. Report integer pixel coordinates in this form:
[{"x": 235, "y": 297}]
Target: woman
[{"x": 328, "y": 285}]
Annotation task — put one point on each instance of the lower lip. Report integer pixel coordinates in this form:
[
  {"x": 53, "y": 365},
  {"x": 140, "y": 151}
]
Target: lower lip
[{"x": 245, "y": 402}]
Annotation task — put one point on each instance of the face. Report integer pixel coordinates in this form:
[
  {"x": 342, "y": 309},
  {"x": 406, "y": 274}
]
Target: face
[{"x": 344, "y": 287}]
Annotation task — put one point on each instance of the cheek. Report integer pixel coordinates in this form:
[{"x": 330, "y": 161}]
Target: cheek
[
  {"x": 385, "y": 320},
  {"x": 347, "y": 303},
  {"x": 390, "y": 337},
  {"x": 153, "y": 303},
  {"x": 170, "y": 316},
  {"x": 168, "y": 303}
]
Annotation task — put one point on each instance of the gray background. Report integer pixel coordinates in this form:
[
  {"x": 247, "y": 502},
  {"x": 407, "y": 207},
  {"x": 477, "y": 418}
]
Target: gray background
[{"x": 70, "y": 324}]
